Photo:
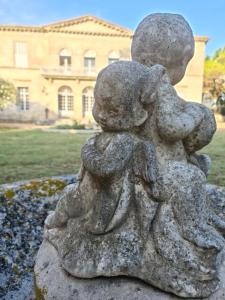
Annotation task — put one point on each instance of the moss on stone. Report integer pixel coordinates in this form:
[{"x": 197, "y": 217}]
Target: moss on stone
[
  {"x": 9, "y": 194},
  {"x": 45, "y": 188},
  {"x": 16, "y": 270},
  {"x": 39, "y": 292}
]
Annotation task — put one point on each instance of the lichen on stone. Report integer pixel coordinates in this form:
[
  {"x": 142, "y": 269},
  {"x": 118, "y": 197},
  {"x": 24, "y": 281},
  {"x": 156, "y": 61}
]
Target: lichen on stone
[
  {"x": 39, "y": 292},
  {"x": 44, "y": 188},
  {"x": 9, "y": 194}
]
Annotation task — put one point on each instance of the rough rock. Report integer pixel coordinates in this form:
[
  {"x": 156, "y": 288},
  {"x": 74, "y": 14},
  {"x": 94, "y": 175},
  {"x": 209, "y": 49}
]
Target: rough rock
[
  {"x": 52, "y": 282},
  {"x": 23, "y": 208}
]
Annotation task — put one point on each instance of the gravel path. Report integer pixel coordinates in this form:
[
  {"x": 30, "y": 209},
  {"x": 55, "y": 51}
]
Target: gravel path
[{"x": 23, "y": 209}]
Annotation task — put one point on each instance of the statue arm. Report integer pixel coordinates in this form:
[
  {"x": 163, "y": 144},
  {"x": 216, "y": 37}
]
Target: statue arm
[
  {"x": 202, "y": 161},
  {"x": 203, "y": 134},
  {"x": 176, "y": 119},
  {"x": 112, "y": 160},
  {"x": 145, "y": 165}
]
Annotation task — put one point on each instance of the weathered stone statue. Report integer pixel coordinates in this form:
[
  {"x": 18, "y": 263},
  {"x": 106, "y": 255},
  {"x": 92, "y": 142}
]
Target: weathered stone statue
[{"x": 140, "y": 206}]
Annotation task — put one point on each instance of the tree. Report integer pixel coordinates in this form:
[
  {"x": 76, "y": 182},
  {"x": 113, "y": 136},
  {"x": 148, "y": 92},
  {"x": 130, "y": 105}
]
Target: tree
[
  {"x": 216, "y": 87},
  {"x": 214, "y": 74},
  {"x": 7, "y": 93}
]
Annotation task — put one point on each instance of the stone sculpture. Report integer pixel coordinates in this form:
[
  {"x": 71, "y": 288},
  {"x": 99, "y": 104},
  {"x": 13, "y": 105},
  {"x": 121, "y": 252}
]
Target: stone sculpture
[{"x": 140, "y": 206}]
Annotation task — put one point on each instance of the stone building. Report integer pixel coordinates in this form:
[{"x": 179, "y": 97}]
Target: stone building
[{"x": 54, "y": 67}]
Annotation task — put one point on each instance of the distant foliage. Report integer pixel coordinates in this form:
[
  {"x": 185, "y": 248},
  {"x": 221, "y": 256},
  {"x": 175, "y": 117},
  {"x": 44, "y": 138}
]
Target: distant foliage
[
  {"x": 215, "y": 65},
  {"x": 214, "y": 79},
  {"x": 7, "y": 93},
  {"x": 215, "y": 87},
  {"x": 214, "y": 74}
]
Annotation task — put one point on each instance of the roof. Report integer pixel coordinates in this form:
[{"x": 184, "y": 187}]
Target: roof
[
  {"x": 84, "y": 19},
  {"x": 69, "y": 27},
  {"x": 201, "y": 39}
]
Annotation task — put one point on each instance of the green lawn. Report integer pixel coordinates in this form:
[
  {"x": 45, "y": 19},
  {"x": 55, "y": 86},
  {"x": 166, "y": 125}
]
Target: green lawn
[
  {"x": 33, "y": 154},
  {"x": 216, "y": 150}
]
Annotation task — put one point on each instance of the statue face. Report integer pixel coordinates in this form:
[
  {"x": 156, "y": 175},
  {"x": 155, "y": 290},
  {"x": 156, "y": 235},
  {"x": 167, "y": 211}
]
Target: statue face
[{"x": 111, "y": 109}]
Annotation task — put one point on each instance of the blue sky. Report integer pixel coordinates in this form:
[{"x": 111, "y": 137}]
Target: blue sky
[{"x": 206, "y": 17}]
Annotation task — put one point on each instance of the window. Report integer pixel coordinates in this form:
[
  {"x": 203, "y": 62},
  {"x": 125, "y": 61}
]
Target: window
[
  {"x": 113, "y": 57},
  {"x": 65, "y": 59},
  {"x": 89, "y": 61},
  {"x": 88, "y": 101},
  {"x": 65, "y": 100},
  {"x": 21, "y": 59},
  {"x": 23, "y": 98},
  {"x": 112, "y": 60}
]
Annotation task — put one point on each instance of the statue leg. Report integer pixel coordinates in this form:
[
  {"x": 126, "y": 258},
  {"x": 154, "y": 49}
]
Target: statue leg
[
  {"x": 74, "y": 201},
  {"x": 60, "y": 216},
  {"x": 184, "y": 186}
]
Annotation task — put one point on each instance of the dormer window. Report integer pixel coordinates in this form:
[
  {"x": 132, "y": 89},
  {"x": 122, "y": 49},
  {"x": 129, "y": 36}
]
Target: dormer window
[
  {"x": 65, "y": 59},
  {"x": 113, "y": 57},
  {"x": 89, "y": 61},
  {"x": 21, "y": 55}
]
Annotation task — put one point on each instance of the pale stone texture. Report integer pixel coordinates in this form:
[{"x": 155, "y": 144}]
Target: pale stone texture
[
  {"x": 53, "y": 282},
  {"x": 140, "y": 207},
  {"x": 166, "y": 39}
]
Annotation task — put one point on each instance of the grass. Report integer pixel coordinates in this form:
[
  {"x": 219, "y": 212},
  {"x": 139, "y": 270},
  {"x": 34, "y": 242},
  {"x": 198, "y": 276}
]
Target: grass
[
  {"x": 216, "y": 151},
  {"x": 34, "y": 153}
]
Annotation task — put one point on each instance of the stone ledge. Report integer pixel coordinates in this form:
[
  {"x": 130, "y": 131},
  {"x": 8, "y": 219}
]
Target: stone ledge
[{"x": 51, "y": 282}]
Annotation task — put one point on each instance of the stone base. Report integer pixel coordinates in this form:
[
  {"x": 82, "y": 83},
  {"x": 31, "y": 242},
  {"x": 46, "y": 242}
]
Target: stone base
[{"x": 51, "y": 282}]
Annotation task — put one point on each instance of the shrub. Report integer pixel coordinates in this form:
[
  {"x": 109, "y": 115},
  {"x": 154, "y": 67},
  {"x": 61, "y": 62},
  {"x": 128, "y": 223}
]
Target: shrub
[
  {"x": 78, "y": 126},
  {"x": 75, "y": 125},
  {"x": 63, "y": 126},
  {"x": 7, "y": 93}
]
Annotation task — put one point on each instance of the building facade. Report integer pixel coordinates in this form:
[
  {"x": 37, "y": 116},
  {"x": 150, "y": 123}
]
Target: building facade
[{"x": 54, "y": 67}]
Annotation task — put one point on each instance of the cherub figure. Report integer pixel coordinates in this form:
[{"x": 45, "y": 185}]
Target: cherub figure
[
  {"x": 140, "y": 207},
  {"x": 108, "y": 158},
  {"x": 178, "y": 128},
  {"x": 101, "y": 225}
]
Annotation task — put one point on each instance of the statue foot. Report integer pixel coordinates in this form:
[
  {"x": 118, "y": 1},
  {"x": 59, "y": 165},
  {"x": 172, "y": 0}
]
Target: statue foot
[{"x": 55, "y": 220}]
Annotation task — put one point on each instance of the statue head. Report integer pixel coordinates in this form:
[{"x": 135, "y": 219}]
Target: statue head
[
  {"x": 164, "y": 39},
  {"x": 122, "y": 91}
]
